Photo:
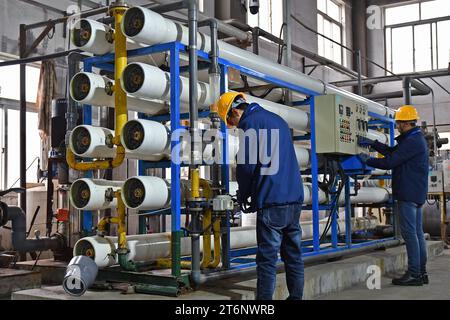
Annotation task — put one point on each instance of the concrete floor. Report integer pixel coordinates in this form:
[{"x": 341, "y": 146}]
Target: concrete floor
[
  {"x": 320, "y": 280},
  {"x": 438, "y": 289}
]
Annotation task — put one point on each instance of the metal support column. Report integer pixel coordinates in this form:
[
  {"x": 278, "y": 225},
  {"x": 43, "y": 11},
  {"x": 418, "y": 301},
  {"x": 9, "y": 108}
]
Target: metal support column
[
  {"x": 23, "y": 118},
  {"x": 315, "y": 184},
  {"x": 175, "y": 163}
]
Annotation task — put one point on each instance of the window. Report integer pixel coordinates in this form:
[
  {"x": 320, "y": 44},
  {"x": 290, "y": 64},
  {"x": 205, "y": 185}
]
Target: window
[
  {"x": 10, "y": 82},
  {"x": 417, "y": 36},
  {"x": 330, "y": 22},
  {"x": 201, "y": 5},
  {"x": 10, "y": 89},
  {"x": 269, "y": 17}
]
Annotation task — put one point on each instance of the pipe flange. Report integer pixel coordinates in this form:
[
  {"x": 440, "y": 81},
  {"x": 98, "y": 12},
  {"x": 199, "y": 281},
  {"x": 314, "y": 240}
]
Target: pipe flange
[
  {"x": 109, "y": 194},
  {"x": 109, "y": 141},
  {"x": 61, "y": 239},
  {"x": 121, "y": 251},
  {"x": 109, "y": 88},
  {"x": 109, "y": 36}
]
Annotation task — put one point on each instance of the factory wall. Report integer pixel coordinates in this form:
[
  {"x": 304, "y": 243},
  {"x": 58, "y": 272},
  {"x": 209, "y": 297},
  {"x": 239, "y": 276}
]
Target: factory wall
[
  {"x": 306, "y": 11},
  {"x": 376, "y": 52}
]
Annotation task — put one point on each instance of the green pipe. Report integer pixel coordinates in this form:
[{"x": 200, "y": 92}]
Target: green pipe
[
  {"x": 130, "y": 265},
  {"x": 176, "y": 252}
]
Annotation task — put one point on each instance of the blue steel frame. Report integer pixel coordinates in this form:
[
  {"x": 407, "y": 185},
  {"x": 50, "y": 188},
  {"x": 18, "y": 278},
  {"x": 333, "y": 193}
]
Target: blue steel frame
[{"x": 311, "y": 247}]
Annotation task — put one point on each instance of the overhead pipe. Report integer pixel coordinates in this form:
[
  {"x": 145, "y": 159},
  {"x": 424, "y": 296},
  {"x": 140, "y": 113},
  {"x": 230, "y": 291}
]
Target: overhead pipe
[
  {"x": 407, "y": 92},
  {"x": 257, "y": 32},
  {"x": 120, "y": 99},
  {"x": 382, "y": 79},
  {"x": 221, "y": 26},
  {"x": 151, "y": 28}
]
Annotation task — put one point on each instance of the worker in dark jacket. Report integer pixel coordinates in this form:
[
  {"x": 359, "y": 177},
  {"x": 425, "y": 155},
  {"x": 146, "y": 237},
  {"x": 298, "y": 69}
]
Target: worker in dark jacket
[
  {"x": 409, "y": 163},
  {"x": 269, "y": 182}
]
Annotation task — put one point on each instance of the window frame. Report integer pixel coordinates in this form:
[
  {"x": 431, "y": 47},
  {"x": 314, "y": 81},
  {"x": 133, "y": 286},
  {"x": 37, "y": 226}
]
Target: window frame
[
  {"x": 340, "y": 24},
  {"x": 432, "y": 22},
  {"x": 274, "y": 32}
]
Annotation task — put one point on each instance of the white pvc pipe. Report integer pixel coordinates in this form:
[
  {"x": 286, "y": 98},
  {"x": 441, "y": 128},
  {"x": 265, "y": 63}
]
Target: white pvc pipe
[
  {"x": 146, "y": 193},
  {"x": 367, "y": 195},
  {"x": 377, "y": 135},
  {"x": 210, "y": 148},
  {"x": 92, "y": 36},
  {"x": 89, "y": 194},
  {"x": 145, "y": 139},
  {"x": 156, "y": 29},
  {"x": 141, "y": 80},
  {"x": 153, "y": 83},
  {"x": 303, "y": 156},
  {"x": 90, "y": 142},
  {"x": 90, "y": 88},
  {"x": 151, "y": 247}
]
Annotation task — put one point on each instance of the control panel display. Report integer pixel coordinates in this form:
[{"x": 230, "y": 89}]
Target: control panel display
[{"x": 339, "y": 122}]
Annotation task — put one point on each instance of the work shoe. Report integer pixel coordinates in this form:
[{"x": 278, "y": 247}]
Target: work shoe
[
  {"x": 407, "y": 280},
  {"x": 425, "y": 278}
]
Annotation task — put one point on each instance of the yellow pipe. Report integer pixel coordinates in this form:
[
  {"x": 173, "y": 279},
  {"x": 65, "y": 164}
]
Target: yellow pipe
[
  {"x": 216, "y": 227},
  {"x": 120, "y": 62},
  {"x": 167, "y": 263},
  {"x": 207, "y": 193},
  {"x": 206, "y": 240},
  {"x": 120, "y": 102},
  {"x": 101, "y": 226},
  {"x": 195, "y": 184},
  {"x": 121, "y": 215}
]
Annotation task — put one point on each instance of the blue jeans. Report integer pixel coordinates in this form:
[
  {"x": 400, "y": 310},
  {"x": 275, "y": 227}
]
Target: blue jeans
[
  {"x": 410, "y": 219},
  {"x": 278, "y": 229}
]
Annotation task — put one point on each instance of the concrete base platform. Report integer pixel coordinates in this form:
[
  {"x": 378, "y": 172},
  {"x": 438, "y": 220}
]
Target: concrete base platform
[
  {"x": 14, "y": 280},
  {"x": 320, "y": 279},
  {"x": 437, "y": 289},
  {"x": 52, "y": 271}
]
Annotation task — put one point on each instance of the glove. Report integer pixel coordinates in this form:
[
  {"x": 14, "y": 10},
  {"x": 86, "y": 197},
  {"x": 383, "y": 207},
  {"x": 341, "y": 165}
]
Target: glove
[
  {"x": 365, "y": 142},
  {"x": 364, "y": 157},
  {"x": 246, "y": 206}
]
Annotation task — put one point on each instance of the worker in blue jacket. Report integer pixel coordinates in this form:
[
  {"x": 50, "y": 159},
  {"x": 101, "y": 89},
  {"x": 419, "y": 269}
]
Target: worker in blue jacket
[
  {"x": 270, "y": 184},
  {"x": 409, "y": 163}
]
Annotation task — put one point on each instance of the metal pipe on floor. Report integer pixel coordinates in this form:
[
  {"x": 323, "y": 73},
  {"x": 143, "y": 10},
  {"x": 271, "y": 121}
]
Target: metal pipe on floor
[{"x": 310, "y": 259}]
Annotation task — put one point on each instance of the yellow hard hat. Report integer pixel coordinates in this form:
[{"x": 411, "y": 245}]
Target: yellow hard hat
[
  {"x": 406, "y": 113},
  {"x": 225, "y": 102}
]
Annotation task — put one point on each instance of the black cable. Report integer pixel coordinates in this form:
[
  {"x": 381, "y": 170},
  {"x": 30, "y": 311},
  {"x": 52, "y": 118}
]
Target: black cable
[
  {"x": 36, "y": 261},
  {"x": 279, "y": 60}
]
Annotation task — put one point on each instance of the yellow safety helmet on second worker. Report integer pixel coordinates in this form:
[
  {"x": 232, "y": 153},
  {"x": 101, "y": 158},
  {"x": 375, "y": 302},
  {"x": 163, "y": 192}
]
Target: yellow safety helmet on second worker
[
  {"x": 225, "y": 102},
  {"x": 406, "y": 113}
]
